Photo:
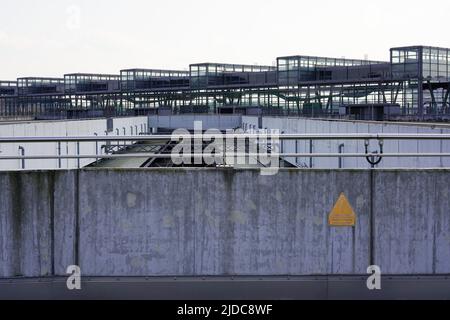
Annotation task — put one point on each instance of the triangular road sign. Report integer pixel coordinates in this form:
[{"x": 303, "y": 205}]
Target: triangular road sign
[{"x": 342, "y": 214}]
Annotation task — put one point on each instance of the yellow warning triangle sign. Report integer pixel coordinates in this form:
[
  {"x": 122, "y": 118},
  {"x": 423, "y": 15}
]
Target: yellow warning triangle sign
[{"x": 342, "y": 214}]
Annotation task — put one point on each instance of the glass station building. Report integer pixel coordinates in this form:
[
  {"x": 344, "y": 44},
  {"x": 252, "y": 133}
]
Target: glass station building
[{"x": 414, "y": 85}]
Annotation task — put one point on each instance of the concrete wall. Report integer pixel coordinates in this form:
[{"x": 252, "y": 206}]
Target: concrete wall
[
  {"x": 314, "y": 126},
  {"x": 222, "y": 222},
  {"x": 58, "y": 129}
]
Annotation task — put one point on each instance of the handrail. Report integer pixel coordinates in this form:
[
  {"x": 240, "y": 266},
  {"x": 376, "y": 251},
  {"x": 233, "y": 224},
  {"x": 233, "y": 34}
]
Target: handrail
[
  {"x": 221, "y": 155},
  {"x": 269, "y": 138},
  {"x": 229, "y": 136}
]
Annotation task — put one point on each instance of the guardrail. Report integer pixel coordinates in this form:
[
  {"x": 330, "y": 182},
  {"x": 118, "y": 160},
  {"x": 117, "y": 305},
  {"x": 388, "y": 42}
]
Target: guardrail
[
  {"x": 371, "y": 156},
  {"x": 229, "y": 136}
]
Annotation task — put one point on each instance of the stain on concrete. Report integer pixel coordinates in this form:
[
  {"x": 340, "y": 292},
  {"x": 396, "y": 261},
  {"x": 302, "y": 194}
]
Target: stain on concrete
[
  {"x": 168, "y": 221},
  {"x": 360, "y": 203},
  {"x": 15, "y": 180},
  {"x": 251, "y": 205},
  {"x": 238, "y": 217},
  {"x": 131, "y": 200}
]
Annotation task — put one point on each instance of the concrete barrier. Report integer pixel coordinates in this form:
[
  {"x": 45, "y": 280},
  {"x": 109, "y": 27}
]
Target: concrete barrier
[{"x": 202, "y": 222}]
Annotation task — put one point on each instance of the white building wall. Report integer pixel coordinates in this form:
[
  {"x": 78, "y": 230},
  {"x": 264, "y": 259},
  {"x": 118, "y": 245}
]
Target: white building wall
[
  {"x": 313, "y": 126},
  {"x": 220, "y": 122},
  {"x": 132, "y": 125}
]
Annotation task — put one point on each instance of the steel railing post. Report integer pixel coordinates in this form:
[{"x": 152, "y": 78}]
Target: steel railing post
[
  {"x": 22, "y": 153},
  {"x": 78, "y": 154},
  {"x": 96, "y": 147},
  {"x": 59, "y": 154}
]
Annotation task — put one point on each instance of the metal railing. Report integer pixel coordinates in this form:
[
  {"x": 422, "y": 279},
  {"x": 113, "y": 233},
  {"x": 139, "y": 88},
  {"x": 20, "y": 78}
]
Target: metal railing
[
  {"x": 366, "y": 138},
  {"x": 355, "y": 136}
]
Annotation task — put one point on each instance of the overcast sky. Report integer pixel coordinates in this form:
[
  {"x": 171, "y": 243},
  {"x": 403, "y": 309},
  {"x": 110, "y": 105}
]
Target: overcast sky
[{"x": 53, "y": 37}]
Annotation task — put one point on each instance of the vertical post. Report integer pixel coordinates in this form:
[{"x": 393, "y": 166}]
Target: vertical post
[
  {"x": 341, "y": 150},
  {"x": 59, "y": 154},
  {"x": 420, "y": 84},
  {"x": 372, "y": 218},
  {"x": 96, "y": 147},
  {"x": 108, "y": 143},
  {"x": 311, "y": 149},
  {"x": 132, "y": 133},
  {"x": 78, "y": 154},
  {"x": 224, "y": 152},
  {"x": 22, "y": 153}
]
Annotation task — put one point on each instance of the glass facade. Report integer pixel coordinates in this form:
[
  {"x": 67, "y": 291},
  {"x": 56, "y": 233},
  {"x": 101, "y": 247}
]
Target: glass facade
[
  {"x": 8, "y": 88},
  {"x": 295, "y": 69},
  {"x": 215, "y": 74},
  {"x": 142, "y": 79},
  {"x": 83, "y": 82},
  {"x": 435, "y": 63},
  {"x": 415, "y": 81},
  {"x": 426, "y": 70},
  {"x": 406, "y": 62},
  {"x": 27, "y": 86}
]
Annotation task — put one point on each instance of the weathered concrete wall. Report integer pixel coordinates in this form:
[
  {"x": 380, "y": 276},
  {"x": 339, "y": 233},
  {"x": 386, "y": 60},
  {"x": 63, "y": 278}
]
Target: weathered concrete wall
[
  {"x": 412, "y": 221},
  {"x": 219, "y": 223},
  {"x": 189, "y": 222},
  {"x": 25, "y": 224}
]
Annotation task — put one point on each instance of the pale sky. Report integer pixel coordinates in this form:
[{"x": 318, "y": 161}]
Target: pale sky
[{"x": 54, "y": 37}]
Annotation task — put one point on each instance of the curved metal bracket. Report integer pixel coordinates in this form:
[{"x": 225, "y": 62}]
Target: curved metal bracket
[{"x": 374, "y": 161}]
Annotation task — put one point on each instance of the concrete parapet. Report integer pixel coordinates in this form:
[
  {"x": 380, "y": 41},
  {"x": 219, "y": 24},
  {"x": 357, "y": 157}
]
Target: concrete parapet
[{"x": 209, "y": 222}]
